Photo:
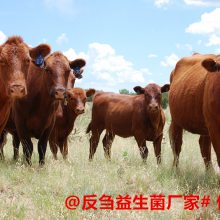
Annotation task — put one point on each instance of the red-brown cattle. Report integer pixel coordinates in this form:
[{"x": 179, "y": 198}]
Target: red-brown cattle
[
  {"x": 35, "y": 114},
  {"x": 15, "y": 59},
  {"x": 10, "y": 126},
  {"x": 140, "y": 116},
  {"x": 194, "y": 104},
  {"x": 76, "y": 99}
]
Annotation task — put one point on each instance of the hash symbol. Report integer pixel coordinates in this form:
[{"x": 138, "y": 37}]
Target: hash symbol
[{"x": 205, "y": 201}]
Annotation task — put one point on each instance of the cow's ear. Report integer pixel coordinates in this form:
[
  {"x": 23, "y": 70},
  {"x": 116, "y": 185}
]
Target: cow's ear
[
  {"x": 90, "y": 92},
  {"x": 76, "y": 65},
  {"x": 165, "y": 88},
  {"x": 210, "y": 65},
  {"x": 139, "y": 90},
  {"x": 39, "y": 53}
]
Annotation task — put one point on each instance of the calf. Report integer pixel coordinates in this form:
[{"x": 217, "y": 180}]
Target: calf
[
  {"x": 34, "y": 115},
  {"x": 64, "y": 124},
  {"x": 15, "y": 60},
  {"x": 140, "y": 116}
]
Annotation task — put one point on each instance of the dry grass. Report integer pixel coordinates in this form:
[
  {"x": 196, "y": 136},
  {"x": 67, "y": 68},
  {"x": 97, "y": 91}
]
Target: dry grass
[{"x": 39, "y": 193}]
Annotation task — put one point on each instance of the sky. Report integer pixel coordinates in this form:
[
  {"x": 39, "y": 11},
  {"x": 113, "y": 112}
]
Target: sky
[{"x": 124, "y": 42}]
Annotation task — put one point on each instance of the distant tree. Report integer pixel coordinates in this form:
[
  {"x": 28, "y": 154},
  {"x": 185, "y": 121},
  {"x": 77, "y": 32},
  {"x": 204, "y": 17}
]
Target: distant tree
[
  {"x": 89, "y": 99},
  {"x": 124, "y": 91},
  {"x": 164, "y": 100},
  {"x": 127, "y": 92}
]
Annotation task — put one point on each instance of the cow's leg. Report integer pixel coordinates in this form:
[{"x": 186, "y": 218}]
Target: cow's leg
[
  {"x": 175, "y": 134},
  {"x": 2, "y": 143},
  {"x": 53, "y": 148},
  {"x": 65, "y": 149},
  {"x": 157, "y": 148},
  {"x": 42, "y": 145},
  {"x": 205, "y": 147},
  {"x": 214, "y": 132},
  {"x": 142, "y": 147},
  {"x": 16, "y": 143},
  {"x": 94, "y": 140},
  {"x": 27, "y": 149},
  {"x": 107, "y": 143}
]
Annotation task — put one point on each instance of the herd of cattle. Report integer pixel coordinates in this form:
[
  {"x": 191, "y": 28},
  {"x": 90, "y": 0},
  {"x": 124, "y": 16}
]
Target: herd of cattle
[{"x": 38, "y": 99}]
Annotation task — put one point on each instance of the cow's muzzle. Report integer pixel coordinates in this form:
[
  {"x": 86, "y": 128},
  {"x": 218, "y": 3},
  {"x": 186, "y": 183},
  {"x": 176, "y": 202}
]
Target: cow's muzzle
[
  {"x": 79, "y": 111},
  {"x": 59, "y": 93},
  {"x": 153, "y": 108},
  {"x": 17, "y": 91}
]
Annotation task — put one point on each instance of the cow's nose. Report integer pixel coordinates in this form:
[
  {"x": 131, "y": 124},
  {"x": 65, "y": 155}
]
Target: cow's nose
[
  {"x": 153, "y": 107},
  {"x": 17, "y": 91},
  {"x": 59, "y": 93},
  {"x": 79, "y": 111}
]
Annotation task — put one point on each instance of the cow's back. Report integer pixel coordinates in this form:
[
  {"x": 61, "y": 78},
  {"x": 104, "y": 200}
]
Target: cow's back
[{"x": 187, "y": 92}]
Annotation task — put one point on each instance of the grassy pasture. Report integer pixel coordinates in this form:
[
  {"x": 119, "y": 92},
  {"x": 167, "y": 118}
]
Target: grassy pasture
[{"x": 39, "y": 193}]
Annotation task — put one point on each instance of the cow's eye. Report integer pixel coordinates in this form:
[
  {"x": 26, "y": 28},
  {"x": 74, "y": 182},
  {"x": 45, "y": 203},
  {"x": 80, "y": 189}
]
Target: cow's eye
[
  {"x": 148, "y": 95},
  {"x": 158, "y": 96},
  {"x": 69, "y": 97},
  {"x": 47, "y": 70},
  {"x": 27, "y": 61}
]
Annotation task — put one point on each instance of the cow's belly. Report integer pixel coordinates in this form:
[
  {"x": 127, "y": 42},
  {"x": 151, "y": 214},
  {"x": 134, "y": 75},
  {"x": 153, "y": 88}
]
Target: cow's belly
[
  {"x": 36, "y": 126},
  {"x": 186, "y": 108},
  {"x": 119, "y": 126}
]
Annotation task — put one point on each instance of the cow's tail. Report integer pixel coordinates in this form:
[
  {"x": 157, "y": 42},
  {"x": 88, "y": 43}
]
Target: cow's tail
[{"x": 89, "y": 128}]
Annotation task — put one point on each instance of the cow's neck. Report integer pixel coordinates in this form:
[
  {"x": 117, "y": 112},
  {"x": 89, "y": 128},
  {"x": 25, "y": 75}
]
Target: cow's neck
[
  {"x": 3, "y": 94},
  {"x": 70, "y": 114},
  {"x": 4, "y": 114},
  {"x": 153, "y": 119},
  {"x": 5, "y": 105},
  {"x": 44, "y": 100}
]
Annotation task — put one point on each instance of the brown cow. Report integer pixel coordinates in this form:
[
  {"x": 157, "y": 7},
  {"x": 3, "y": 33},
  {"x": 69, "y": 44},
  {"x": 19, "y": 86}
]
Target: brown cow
[
  {"x": 15, "y": 59},
  {"x": 65, "y": 122},
  {"x": 140, "y": 116},
  {"x": 34, "y": 115},
  {"x": 194, "y": 104}
]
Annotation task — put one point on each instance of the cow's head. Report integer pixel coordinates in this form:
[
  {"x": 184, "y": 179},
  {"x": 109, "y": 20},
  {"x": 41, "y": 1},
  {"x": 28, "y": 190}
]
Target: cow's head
[
  {"x": 211, "y": 65},
  {"x": 15, "y": 59},
  {"x": 58, "y": 71},
  {"x": 153, "y": 96},
  {"x": 77, "y": 98}
]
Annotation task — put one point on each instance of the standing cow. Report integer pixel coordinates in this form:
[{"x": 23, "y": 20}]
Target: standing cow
[
  {"x": 34, "y": 115},
  {"x": 15, "y": 60},
  {"x": 194, "y": 104},
  {"x": 76, "y": 99},
  {"x": 140, "y": 116}
]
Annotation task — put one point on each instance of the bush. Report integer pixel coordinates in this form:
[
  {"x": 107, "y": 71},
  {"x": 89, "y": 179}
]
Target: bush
[{"x": 164, "y": 100}]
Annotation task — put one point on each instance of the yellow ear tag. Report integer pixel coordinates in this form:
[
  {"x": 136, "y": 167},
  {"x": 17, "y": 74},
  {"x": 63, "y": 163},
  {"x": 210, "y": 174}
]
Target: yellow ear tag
[{"x": 65, "y": 102}]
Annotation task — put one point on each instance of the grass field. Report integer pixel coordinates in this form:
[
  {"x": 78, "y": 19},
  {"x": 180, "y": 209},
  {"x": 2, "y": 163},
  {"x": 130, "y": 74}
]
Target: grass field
[{"x": 39, "y": 193}]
